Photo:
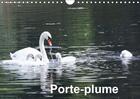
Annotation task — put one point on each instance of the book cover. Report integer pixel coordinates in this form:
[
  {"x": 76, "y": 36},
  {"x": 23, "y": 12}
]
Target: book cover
[{"x": 69, "y": 49}]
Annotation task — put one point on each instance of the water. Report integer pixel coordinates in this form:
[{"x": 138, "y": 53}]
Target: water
[{"x": 94, "y": 34}]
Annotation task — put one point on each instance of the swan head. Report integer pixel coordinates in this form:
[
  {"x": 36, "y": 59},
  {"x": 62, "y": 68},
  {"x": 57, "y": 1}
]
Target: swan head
[
  {"x": 58, "y": 56},
  {"x": 47, "y": 36},
  {"x": 38, "y": 57},
  {"x": 30, "y": 57},
  {"x": 126, "y": 54}
]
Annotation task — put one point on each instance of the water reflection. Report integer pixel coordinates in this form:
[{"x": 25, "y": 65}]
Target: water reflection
[
  {"x": 126, "y": 61},
  {"x": 43, "y": 80},
  {"x": 79, "y": 26},
  {"x": 92, "y": 66}
]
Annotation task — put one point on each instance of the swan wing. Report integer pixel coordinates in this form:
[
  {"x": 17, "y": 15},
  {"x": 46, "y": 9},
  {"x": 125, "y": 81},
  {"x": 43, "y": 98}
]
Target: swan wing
[
  {"x": 69, "y": 59},
  {"x": 22, "y": 54},
  {"x": 126, "y": 54}
]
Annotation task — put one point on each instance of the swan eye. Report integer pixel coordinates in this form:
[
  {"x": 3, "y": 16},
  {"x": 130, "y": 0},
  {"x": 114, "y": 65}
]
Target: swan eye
[
  {"x": 49, "y": 38},
  {"x": 40, "y": 57},
  {"x": 32, "y": 56}
]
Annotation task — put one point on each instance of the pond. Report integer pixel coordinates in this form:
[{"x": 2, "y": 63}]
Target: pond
[{"x": 93, "y": 33}]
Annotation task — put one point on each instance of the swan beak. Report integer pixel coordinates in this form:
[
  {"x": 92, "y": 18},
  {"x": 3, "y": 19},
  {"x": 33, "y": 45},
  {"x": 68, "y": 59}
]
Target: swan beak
[{"x": 49, "y": 42}]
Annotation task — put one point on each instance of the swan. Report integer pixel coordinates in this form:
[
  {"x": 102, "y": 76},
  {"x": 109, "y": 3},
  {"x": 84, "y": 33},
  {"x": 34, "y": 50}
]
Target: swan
[
  {"x": 38, "y": 58},
  {"x": 30, "y": 57},
  {"x": 126, "y": 54},
  {"x": 22, "y": 54},
  {"x": 30, "y": 60},
  {"x": 126, "y": 57},
  {"x": 65, "y": 60}
]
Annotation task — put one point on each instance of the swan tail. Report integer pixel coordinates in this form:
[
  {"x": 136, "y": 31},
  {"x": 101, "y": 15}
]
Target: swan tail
[{"x": 11, "y": 55}]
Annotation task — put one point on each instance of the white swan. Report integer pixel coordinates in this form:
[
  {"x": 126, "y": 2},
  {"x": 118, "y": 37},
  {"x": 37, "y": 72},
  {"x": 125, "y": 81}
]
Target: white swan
[
  {"x": 126, "y": 54},
  {"x": 30, "y": 60},
  {"x": 126, "y": 57},
  {"x": 30, "y": 57},
  {"x": 38, "y": 58},
  {"x": 22, "y": 54},
  {"x": 65, "y": 60}
]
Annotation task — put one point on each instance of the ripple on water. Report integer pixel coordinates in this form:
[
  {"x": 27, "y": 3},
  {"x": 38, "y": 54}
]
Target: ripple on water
[{"x": 93, "y": 65}]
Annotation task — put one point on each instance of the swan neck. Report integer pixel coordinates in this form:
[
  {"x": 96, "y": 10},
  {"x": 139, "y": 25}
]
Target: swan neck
[
  {"x": 42, "y": 49},
  {"x": 59, "y": 58}
]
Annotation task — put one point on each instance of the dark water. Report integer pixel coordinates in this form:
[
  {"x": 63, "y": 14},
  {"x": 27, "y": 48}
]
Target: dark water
[{"x": 94, "y": 34}]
